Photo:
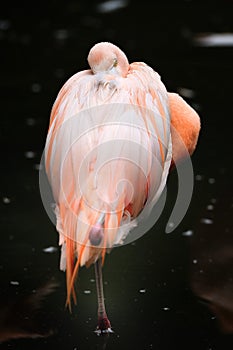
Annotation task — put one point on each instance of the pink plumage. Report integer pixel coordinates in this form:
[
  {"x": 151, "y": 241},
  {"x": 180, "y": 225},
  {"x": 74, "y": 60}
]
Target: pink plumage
[{"x": 108, "y": 153}]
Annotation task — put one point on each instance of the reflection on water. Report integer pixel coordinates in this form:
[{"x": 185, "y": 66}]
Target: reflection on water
[
  {"x": 111, "y": 5},
  {"x": 21, "y": 316},
  {"x": 214, "y": 39},
  {"x": 212, "y": 258}
]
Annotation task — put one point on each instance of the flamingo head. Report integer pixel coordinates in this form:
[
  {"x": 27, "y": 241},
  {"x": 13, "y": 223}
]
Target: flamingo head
[{"x": 107, "y": 58}]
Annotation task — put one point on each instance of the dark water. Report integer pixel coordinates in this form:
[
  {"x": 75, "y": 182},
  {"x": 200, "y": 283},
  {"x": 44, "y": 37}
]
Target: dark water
[{"x": 167, "y": 290}]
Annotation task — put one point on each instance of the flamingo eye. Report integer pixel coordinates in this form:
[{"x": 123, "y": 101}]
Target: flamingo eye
[{"x": 115, "y": 62}]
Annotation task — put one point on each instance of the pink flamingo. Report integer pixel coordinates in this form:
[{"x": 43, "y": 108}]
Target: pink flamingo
[{"x": 102, "y": 179}]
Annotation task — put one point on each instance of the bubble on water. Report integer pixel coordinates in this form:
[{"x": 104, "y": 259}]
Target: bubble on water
[
  {"x": 166, "y": 308},
  {"x": 87, "y": 291},
  {"x": 14, "y": 283},
  {"x": 206, "y": 221},
  {"x": 6, "y": 200},
  {"x": 50, "y": 250},
  {"x": 111, "y": 5},
  {"x": 211, "y": 180},
  {"x": 30, "y": 154},
  {"x": 142, "y": 291},
  {"x": 199, "y": 177},
  {"x": 187, "y": 233},
  {"x": 213, "y": 39}
]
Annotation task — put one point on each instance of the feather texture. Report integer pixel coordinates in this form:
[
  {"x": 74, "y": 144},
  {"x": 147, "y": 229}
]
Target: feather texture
[{"x": 108, "y": 152}]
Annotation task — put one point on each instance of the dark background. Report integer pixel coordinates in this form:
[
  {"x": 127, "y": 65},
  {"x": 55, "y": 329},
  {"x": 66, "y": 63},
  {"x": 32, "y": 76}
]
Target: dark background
[{"x": 164, "y": 291}]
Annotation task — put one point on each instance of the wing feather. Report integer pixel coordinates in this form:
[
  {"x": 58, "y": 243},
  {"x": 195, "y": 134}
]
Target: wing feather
[{"x": 107, "y": 152}]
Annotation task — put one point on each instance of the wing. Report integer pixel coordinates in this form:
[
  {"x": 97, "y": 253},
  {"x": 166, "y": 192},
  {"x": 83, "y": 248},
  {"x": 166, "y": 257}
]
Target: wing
[
  {"x": 108, "y": 152},
  {"x": 185, "y": 127}
]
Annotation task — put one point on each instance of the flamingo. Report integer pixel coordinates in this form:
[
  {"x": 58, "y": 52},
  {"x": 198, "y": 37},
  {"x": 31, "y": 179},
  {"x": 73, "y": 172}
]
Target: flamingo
[{"x": 111, "y": 141}]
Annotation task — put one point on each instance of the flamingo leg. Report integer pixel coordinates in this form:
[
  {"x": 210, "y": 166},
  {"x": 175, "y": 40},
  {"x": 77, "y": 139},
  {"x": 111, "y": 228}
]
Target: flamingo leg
[{"x": 104, "y": 325}]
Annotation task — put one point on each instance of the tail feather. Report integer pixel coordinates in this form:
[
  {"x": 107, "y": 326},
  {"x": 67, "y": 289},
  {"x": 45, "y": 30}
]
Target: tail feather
[
  {"x": 114, "y": 182},
  {"x": 69, "y": 272},
  {"x": 80, "y": 253},
  {"x": 71, "y": 276}
]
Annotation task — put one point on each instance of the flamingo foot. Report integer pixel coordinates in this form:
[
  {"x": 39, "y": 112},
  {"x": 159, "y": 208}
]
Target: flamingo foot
[{"x": 104, "y": 326}]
